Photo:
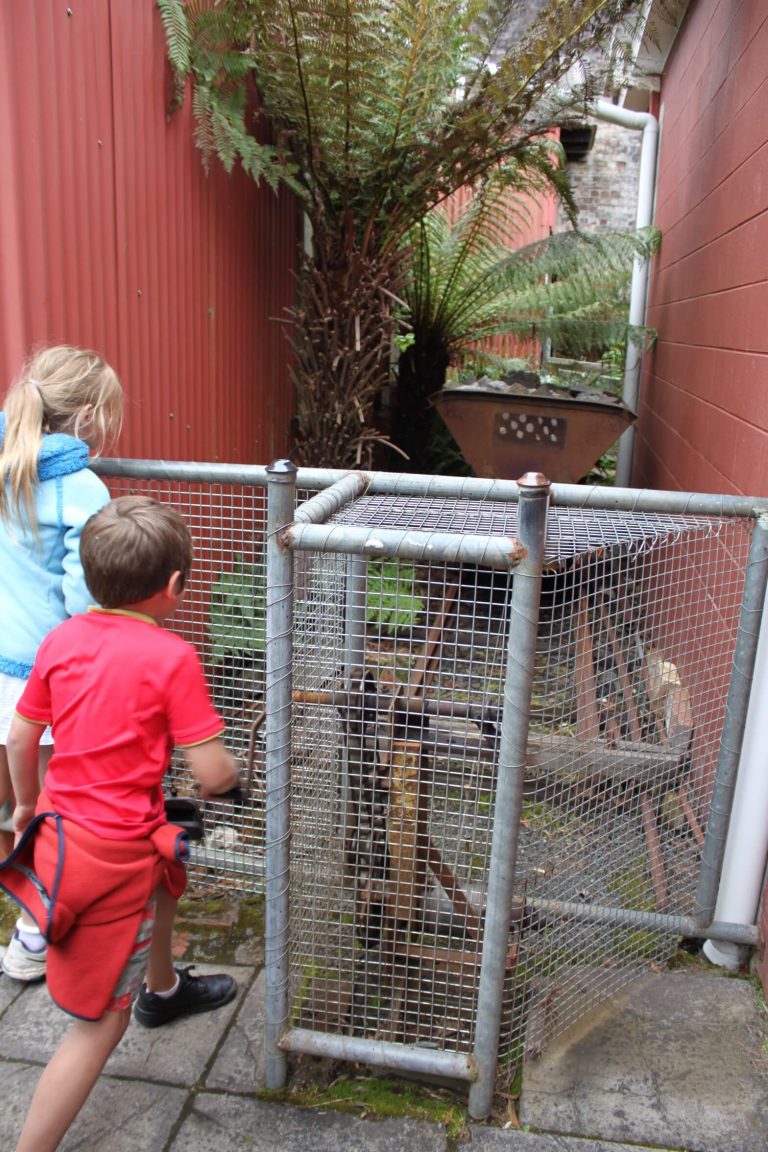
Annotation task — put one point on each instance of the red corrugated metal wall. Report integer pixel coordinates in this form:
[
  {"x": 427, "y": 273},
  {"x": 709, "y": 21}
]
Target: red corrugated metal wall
[
  {"x": 112, "y": 236},
  {"x": 539, "y": 223},
  {"x": 704, "y": 397}
]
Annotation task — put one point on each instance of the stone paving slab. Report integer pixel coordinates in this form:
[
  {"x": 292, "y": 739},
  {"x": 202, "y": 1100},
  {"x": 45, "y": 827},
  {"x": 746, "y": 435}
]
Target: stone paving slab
[
  {"x": 675, "y": 1060},
  {"x": 511, "y": 1140},
  {"x": 32, "y": 1025},
  {"x": 241, "y": 1124},
  {"x": 117, "y": 1117},
  {"x": 179, "y": 1054},
  {"x": 239, "y": 1063},
  {"x": 10, "y": 990}
]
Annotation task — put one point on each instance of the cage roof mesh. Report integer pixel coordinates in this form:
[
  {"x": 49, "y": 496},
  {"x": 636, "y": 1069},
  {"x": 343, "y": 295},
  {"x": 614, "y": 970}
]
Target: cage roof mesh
[{"x": 570, "y": 531}]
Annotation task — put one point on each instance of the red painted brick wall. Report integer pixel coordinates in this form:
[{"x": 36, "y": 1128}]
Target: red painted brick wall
[{"x": 703, "y": 422}]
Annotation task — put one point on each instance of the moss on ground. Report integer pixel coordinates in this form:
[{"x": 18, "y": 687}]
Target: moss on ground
[
  {"x": 9, "y": 912},
  {"x": 325, "y": 1085},
  {"x": 219, "y": 927}
]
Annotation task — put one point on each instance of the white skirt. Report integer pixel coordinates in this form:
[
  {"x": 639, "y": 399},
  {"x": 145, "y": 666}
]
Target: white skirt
[{"x": 11, "y": 688}]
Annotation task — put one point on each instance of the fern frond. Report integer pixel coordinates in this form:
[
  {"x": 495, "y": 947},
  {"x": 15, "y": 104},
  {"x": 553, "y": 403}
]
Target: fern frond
[
  {"x": 178, "y": 36},
  {"x": 467, "y": 279}
]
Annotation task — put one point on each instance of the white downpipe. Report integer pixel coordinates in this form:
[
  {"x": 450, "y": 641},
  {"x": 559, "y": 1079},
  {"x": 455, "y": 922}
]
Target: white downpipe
[
  {"x": 746, "y": 848},
  {"x": 649, "y": 126}
]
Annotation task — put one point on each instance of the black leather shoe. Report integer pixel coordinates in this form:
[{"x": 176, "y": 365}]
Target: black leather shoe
[{"x": 194, "y": 994}]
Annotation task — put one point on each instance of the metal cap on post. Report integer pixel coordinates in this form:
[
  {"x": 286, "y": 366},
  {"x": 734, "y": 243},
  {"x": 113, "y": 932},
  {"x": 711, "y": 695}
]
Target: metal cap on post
[
  {"x": 518, "y": 683},
  {"x": 284, "y": 467},
  {"x": 281, "y": 502},
  {"x": 533, "y": 481}
]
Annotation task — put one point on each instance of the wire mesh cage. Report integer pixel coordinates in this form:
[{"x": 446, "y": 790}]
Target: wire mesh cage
[
  {"x": 396, "y": 672},
  {"x": 398, "y": 678},
  {"x": 223, "y": 615}
]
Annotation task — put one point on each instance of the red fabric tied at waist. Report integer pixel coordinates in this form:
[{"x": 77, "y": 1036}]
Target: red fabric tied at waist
[{"x": 88, "y": 895}]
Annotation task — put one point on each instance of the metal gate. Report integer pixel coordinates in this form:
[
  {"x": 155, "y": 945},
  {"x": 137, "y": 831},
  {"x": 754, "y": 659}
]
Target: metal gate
[{"x": 496, "y": 728}]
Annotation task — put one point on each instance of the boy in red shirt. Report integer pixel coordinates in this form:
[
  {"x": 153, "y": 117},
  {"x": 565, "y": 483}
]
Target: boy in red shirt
[{"x": 107, "y": 869}]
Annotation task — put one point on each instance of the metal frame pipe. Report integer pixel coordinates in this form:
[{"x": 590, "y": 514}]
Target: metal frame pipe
[
  {"x": 560, "y": 495},
  {"x": 443, "y": 487},
  {"x": 281, "y": 499},
  {"x": 732, "y": 735},
  {"x": 380, "y": 1053},
  {"x": 191, "y": 471},
  {"x": 653, "y": 501},
  {"x": 235, "y": 862},
  {"x": 354, "y": 615},
  {"x": 746, "y": 848},
  {"x": 376, "y": 543},
  {"x": 318, "y": 509},
  {"x": 416, "y": 484},
  {"x": 354, "y": 657},
  {"x": 652, "y": 921},
  {"x": 510, "y": 778}
]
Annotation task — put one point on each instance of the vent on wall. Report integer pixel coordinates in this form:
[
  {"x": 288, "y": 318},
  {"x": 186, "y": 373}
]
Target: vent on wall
[{"x": 577, "y": 140}]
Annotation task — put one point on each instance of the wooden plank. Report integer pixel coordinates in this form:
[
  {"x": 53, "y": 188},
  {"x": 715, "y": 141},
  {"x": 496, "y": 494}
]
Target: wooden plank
[
  {"x": 655, "y": 855},
  {"x": 454, "y": 959},
  {"x": 624, "y": 678},
  {"x": 423, "y": 666},
  {"x": 407, "y": 832}
]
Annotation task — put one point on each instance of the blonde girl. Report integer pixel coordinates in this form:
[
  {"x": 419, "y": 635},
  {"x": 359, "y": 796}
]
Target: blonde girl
[{"x": 66, "y": 403}]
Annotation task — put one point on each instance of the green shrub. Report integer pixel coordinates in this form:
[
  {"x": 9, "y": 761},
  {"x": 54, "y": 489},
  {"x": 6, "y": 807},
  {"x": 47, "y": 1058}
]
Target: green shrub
[
  {"x": 238, "y": 611},
  {"x": 393, "y": 602}
]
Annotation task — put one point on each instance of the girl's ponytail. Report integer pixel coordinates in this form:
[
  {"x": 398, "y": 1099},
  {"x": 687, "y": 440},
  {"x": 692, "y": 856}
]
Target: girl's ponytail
[
  {"x": 24, "y": 420},
  {"x": 60, "y": 389}
]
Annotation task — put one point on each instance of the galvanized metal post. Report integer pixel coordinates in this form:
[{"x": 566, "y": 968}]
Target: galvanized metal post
[
  {"x": 521, "y": 650},
  {"x": 354, "y": 613},
  {"x": 354, "y": 664},
  {"x": 732, "y": 735},
  {"x": 281, "y": 501}
]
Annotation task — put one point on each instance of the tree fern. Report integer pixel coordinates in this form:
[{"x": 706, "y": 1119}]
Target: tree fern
[
  {"x": 466, "y": 279},
  {"x": 379, "y": 110}
]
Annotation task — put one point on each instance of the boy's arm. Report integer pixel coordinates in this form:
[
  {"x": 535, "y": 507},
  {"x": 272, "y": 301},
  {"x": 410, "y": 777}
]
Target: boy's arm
[
  {"x": 213, "y": 767},
  {"x": 22, "y": 747}
]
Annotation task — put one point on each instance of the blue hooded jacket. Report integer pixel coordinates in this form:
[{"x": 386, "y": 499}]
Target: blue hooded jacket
[{"x": 42, "y": 581}]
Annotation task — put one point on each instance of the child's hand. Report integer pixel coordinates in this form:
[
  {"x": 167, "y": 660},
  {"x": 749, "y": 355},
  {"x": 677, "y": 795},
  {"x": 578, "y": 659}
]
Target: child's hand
[
  {"x": 213, "y": 767},
  {"x": 234, "y": 791},
  {"x": 22, "y": 814}
]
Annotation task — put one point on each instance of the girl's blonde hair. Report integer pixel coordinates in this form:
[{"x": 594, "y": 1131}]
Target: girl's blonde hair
[{"x": 59, "y": 389}]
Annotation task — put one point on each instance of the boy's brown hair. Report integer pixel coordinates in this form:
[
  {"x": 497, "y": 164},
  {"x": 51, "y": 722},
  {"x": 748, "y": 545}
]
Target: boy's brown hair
[{"x": 130, "y": 549}]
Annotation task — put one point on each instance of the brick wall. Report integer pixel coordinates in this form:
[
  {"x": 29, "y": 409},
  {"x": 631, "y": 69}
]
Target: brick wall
[{"x": 605, "y": 181}]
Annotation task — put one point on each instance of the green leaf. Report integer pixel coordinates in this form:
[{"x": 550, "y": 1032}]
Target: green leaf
[
  {"x": 237, "y": 610},
  {"x": 392, "y": 601}
]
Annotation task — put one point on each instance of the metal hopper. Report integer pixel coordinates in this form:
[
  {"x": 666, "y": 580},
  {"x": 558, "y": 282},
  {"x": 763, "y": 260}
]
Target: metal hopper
[{"x": 507, "y": 427}]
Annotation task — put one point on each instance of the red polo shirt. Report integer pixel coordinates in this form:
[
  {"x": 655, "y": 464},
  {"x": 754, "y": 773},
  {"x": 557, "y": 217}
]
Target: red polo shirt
[{"x": 120, "y": 692}]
